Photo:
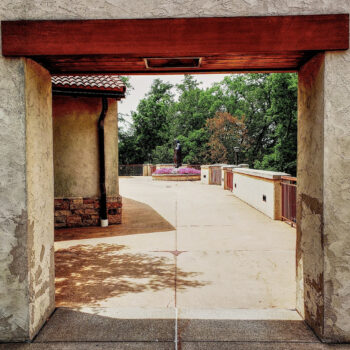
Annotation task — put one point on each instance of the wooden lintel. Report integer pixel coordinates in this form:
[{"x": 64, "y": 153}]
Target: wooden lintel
[{"x": 181, "y": 37}]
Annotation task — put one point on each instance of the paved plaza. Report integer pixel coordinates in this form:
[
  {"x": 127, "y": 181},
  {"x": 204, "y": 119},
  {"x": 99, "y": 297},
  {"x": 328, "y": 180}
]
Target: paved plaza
[
  {"x": 182, "y": 245},
  {"x": 191, "y": 267}
]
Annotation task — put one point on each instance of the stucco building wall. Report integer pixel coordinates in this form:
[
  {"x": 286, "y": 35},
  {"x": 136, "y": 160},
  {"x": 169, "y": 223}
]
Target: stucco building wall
[
  {"x": 310, "y": 192},
  {"x": 13, "y": 205},
  {"x": 331, "y": 208},
  {"x": 26, "y": 207},
  {"x": 76, "y": 161},
  {"x": 336, "y": 196},
  {"x": 76, "y": 157},
  {"x": 39, "y": 194}
]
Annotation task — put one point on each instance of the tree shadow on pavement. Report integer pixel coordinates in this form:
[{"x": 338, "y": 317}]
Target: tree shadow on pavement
[{"x": 87, "y": 275}]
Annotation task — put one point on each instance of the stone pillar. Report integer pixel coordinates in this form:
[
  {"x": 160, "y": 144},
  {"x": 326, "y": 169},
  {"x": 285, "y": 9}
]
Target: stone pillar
[
  {"x": 323, "y": 239},
  {"x": 26, "y": 208}
]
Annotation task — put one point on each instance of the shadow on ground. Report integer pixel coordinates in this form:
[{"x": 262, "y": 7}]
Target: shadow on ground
[
  {"x": 137, "y": 217},
  {"x": 67, "y": 325},
  {"x": 87, "y": 275}
]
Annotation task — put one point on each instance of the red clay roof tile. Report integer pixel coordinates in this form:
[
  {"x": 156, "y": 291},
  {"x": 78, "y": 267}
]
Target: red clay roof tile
[{"x": 94, "y": 82}]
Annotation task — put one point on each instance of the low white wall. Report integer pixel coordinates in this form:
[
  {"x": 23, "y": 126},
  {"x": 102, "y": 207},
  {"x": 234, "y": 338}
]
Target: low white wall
[
  {"x": 222, "y": 177},
  {"x": 205, "y": 174},
  {"x": 260, "y": 189}
]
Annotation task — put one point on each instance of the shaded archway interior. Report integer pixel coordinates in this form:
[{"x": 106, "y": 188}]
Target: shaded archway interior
[{"x": 176, "y": 46}]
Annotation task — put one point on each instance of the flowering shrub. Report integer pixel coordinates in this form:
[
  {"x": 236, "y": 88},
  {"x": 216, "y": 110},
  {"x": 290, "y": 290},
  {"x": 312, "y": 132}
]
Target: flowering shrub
[
  {"x": 189, "y": 171},
  {"x": 164, "y": 171},
  {"x": 177, "y": 171}
]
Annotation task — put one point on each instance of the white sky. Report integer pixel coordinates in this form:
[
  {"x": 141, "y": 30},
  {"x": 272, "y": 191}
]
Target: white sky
[{"x": 142, "y": 84}]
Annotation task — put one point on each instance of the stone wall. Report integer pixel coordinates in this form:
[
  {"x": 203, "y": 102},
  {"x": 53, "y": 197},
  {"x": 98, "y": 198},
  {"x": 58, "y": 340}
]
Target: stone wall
[{"x": 82, "y": 212}]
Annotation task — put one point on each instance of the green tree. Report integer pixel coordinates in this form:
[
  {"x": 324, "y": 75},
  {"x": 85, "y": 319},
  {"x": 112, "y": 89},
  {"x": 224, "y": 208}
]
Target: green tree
[
  {"x": 265, "y": 103},
  {"x": 150, "y": 121},
  {"x": 226, "y": 132},
  {"x": 280, "y": 153}
]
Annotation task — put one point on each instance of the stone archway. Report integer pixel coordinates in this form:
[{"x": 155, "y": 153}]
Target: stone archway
[{"x": 27, "y": 258}]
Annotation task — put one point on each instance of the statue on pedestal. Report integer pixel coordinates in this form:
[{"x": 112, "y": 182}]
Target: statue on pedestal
[{"x": 177, "y": 154}]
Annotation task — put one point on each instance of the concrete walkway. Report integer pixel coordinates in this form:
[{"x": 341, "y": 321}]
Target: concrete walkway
[
  {"x": 185, "y": 245},
  {"x": 191, "y": 267}
]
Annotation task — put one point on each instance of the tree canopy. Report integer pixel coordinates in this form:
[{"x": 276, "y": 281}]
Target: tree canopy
[{"x": 255, "y": 112}]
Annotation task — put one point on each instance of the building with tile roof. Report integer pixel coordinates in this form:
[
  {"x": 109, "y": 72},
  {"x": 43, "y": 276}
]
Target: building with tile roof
[{"x": 85, "y": 141}]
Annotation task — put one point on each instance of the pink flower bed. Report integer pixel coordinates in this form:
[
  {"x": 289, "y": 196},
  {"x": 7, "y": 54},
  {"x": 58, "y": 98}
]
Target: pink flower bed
[
  {"x": 181, "y": 171},
  {"x": 189, "y": 171}
]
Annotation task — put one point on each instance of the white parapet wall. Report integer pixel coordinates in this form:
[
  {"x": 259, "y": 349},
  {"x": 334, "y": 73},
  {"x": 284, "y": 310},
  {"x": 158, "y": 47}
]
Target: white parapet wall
[
  {"x": 205, "y": 174},
  {"x": 223, "y": 176},
  {"x": 259, "y": 188}
]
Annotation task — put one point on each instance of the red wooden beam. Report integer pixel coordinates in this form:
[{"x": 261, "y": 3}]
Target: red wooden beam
[{"x": 195, "y": 37}]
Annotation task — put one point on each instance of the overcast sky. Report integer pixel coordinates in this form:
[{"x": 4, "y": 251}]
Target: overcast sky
[{"x": 142, "y": 84}]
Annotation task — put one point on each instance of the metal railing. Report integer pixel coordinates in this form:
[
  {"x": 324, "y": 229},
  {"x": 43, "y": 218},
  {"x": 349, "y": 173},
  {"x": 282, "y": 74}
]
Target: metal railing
[
  {"x": 215, "y": 175},
  {"x": 153, "y": 168},
  {"x": 131, "y": 170},
  {"x": 289, "y": 199},
  {"x": 137, "y": 169},
  {"x": 229, "y": 180}
]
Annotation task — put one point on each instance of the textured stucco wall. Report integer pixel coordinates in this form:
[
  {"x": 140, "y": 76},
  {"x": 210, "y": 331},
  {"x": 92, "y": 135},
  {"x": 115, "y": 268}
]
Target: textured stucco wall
[
  {"x": 336, "y": 196},
  {"x": 26, "y": 207},
  {"x": 310, "y": 192},
  {"x": 323, "y": 195},
  {"x": 14, "y": 314},
  {"x": 76, "y": 164},
  {"x": 39, "y": 194},
  {"x": 335, "y": 169},
  {"x": 89, "y": 9}
]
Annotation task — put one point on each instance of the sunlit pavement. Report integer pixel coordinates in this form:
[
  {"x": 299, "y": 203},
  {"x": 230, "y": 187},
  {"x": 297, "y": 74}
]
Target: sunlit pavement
[
  {"x": 191, "y": 267},
  {"x": 182, "y": 244}
]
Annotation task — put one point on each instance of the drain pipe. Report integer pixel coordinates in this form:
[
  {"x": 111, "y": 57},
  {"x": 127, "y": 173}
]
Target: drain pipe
[{"x": 101, "y": 150}]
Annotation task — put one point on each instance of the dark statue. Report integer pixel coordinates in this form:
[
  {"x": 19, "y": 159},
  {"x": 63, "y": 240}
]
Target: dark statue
[{"x": 177, "y": 154}]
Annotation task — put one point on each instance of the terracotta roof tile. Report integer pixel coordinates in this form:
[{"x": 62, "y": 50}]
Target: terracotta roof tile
[{"x": 94, "y": 82}]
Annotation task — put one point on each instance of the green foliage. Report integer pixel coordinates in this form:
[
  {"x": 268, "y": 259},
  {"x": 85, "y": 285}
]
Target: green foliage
[
  {"x": 127, "y": 83},
  {"x": 150, "y": 121},
  {"x": 266, "y": 104}
]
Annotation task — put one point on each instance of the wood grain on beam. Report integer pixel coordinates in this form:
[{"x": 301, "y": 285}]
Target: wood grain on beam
[
  {"x": 290, "y": 61},
  {"x": 196, "y": 37}
]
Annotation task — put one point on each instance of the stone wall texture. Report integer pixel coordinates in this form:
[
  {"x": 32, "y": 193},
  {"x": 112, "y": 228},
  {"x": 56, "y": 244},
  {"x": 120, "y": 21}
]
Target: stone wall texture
[
  {"x": 327, "y": 225},
  {"x": 26, "y": 222},
  {"x": 83, "y": 212},
  {"x": 76, "y": 155},
  {"x": 336, "y": 196},
  {"x": 310, "y": 192},
  {"x": 39, "y": 154},
  {"x": 14, "y": 316}
]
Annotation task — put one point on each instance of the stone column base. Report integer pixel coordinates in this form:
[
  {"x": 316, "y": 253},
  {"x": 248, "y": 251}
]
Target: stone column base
[{"x": 83, "y": 212}]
